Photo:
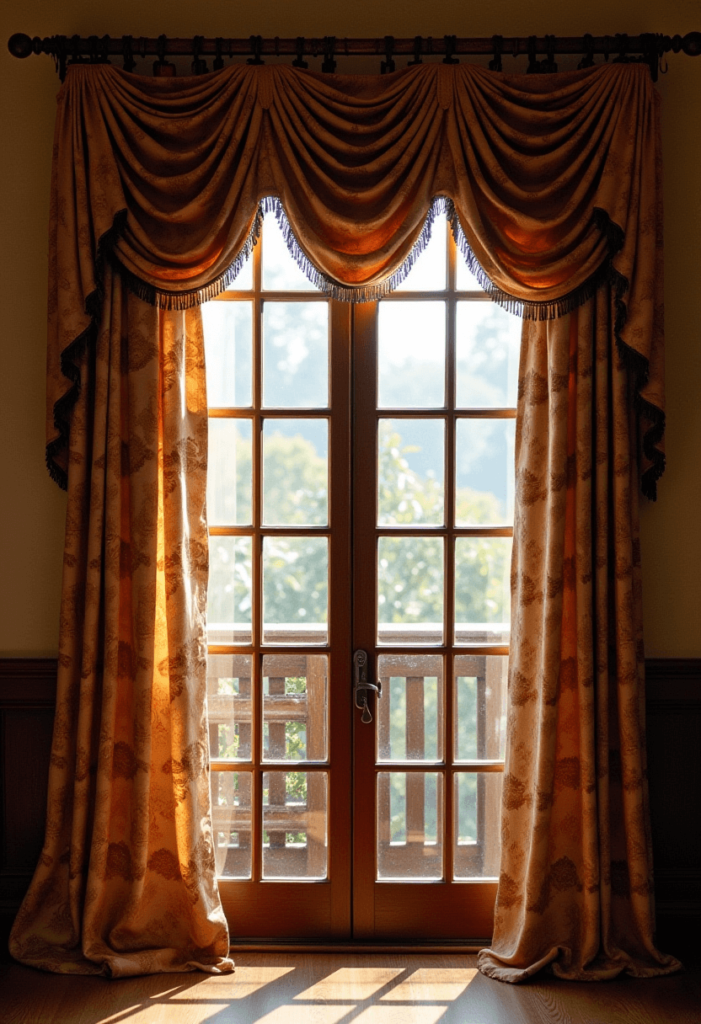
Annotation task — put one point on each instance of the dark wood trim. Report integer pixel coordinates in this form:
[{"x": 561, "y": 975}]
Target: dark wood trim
[
  {"x": 673, "y": 685},
  {"x": 28, "y": 682},
  {"x": 674, "y": 710}
]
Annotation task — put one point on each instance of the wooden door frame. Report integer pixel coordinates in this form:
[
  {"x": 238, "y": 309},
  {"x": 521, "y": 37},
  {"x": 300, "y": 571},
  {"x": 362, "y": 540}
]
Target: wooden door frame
[
  {"x": 308, "y": 911},
  {"x": 441, "y": 912}
]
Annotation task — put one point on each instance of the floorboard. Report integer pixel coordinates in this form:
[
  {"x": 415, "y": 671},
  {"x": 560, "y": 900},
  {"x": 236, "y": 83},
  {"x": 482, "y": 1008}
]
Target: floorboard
[{"x": 307, "y": 988}]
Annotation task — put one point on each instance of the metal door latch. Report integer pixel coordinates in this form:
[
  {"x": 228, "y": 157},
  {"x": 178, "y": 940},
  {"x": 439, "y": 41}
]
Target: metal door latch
[{"x": 361, "y": 685}]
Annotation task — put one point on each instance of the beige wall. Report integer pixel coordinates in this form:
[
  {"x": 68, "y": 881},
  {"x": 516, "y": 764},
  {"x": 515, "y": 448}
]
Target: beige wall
[{"x": 32, "y": 508}]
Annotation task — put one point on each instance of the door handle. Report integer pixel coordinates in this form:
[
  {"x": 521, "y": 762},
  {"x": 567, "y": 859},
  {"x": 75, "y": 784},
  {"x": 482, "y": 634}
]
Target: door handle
[{"x": 361, "y": 685}]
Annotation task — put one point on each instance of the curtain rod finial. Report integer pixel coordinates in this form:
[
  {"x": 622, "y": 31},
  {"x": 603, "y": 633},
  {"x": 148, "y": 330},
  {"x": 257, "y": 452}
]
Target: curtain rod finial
[{"x": 20, "y": 45}]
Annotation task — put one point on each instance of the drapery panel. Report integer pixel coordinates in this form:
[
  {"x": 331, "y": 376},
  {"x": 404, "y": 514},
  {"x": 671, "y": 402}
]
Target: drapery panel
[
  {"x": 575, "y": 888},
  {"x": 126, "y": 883},
  {"x": 552, "y": 186}
]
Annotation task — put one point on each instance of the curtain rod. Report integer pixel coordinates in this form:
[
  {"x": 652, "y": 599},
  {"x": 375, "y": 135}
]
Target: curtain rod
[{"x": 648, "y": 48}]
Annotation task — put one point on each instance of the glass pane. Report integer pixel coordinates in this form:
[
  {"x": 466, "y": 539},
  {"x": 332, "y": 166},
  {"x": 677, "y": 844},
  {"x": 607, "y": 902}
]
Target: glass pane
[
  {"x": 409, "y": 825},
  {"x": 280, "y": 271},
  {"x": 428, "y": 273},
  {"x": 294, "y": 824},
  {"x": 488, "y": 344},
  {"x": 295, "y": 710},
  {"x": 243, "y": 282},
  {"x": 229, "y": 473},
  {"x": 482, "y": 591},
  {"x": 231, "y": 823},
  {"x": 295, "y": 590},
  {"x": 229, "y": 596},
  {"x": 484, "y": 472},
  {"x": 295, "y": 472},
  {"x": 464, "y": 279},
  {"x": 411, "y": 355},
  {"x": 228, "y": 334},
  {"x": 410, "y": 710},
  {"x": 477, "y": 825},
  {"x": 410, "y": 590},
  {"x": 410, "y": 472},
  {"x": 229, "y": 706},
  {"x": 480, "y": 707},
  {"x": 296, "y": 355}
]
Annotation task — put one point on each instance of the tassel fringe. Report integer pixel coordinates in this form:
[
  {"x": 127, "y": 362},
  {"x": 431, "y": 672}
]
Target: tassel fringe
[
  {"x": 194, "y": 296},
  {"x": 638, "y": 366},
  {"x": 73, "y": 353}
]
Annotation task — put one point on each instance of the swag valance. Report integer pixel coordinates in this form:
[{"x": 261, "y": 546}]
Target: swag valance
[{"x": 550, "y": 183}]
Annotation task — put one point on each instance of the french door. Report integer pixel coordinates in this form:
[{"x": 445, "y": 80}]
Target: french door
[{"x": 360, "y": 502}]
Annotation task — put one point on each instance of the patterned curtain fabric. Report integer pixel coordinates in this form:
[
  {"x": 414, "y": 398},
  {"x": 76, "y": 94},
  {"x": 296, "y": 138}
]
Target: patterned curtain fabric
[
  {"x": 575, "y": 888},
  {"x": 126, "y": 881},
  {"x": 552, "y": 187}
]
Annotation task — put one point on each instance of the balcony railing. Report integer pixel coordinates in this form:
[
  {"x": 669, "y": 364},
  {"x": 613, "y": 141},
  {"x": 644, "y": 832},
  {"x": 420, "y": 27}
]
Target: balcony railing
[{"x": 409, "y": 722}]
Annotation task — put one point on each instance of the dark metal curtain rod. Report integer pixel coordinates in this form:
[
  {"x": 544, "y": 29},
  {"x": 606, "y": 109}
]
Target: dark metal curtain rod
[{"x": 648, "y": 48}]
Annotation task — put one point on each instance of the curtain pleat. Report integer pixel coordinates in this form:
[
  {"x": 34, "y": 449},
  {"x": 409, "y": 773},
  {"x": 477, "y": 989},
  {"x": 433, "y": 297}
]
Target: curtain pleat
[
  {"x": 126, "y": 882},
  {"x": 575, "y": 889}
]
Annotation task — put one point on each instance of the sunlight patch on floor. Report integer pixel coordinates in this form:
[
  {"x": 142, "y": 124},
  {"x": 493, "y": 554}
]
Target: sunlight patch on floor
[
  {"x": 356, "y": 983},
  {"x": 426, "y": 985}
]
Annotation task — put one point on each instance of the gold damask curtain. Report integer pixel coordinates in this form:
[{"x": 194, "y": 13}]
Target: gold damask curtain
[{"x": 552, "y": 187}]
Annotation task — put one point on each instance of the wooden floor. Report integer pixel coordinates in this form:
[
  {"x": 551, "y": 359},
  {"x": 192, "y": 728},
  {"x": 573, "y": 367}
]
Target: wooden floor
[{"x": 307, "y": 988}]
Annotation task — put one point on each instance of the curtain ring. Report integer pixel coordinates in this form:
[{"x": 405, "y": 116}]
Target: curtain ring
[
  {"x": 549, "y": 66},
  {"x": 256, "y": 50},
  {"x": 418, "y": 45},
  {"x": 129, "y": 62},
  {"x": 161, "y": 67},
  {"x": 61, "y": 53},
  {"x": 451, "y": 43},
  {"x": 387, "y": 66},
  {"x": 199, "y": 64},
  {"x": 533, "y": 65},
  {"x": 329, "y": 65},
  {"x": 661, "y": 49},
  {"x": 218, "y": 59},
  {"x": 300, "y": 62},
  {"x": 621, "y": 44},
  {"x": 75, "y": 50},
  {"x": 497, "y": 45},
  {"x": 588, "y": 60},
  {"x": 105, "y": 50}
]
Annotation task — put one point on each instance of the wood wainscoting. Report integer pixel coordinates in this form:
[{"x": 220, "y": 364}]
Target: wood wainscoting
[{"x": 27, "y": 697}]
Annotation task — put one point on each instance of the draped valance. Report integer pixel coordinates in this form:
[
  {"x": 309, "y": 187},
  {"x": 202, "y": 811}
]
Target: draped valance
[{"x": 550, "y": 182}]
